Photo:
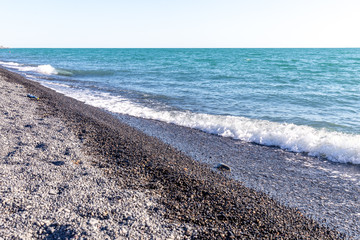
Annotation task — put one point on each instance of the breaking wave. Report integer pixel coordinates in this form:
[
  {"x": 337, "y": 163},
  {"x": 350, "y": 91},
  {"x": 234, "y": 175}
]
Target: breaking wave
[
  {"x": 335, "y": 146},
  {"x": 42, "y": 69}
]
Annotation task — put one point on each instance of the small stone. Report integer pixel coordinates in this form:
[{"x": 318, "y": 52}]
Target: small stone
[
  {"x": 171, "y": 237},
  {"x": 41, "y": 146},
  {"x": 123, "y": 231},
  {"x": 58, "y": 163},
  {"x": 52, "y": 192},
  {"x": 93, "y": 221},
  {"x": 67, "y": 152},
  {"x": 223, "y": 167},
  {"x": 46, "y": 222},
  {"x": 187, "y": 231}
]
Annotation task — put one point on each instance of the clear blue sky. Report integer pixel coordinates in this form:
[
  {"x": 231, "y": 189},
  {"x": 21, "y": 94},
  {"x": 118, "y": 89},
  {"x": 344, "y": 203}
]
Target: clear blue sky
[{"x": 180, "y": 23}]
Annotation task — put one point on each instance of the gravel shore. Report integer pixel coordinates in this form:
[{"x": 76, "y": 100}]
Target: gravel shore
[
  {"x": 70, "y": 170},
  {"x": 50, "y": 189}
]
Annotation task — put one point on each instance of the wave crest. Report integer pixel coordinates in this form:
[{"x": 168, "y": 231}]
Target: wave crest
[{"x": 46, "y": 69}]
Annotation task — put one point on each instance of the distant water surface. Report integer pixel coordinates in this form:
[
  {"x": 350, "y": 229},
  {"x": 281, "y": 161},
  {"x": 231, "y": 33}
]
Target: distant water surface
[{"x": 302, "y": 100}]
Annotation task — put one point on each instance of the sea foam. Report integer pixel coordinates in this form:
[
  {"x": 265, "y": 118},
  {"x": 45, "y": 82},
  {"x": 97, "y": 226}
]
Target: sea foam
[
  {"x": 335, "y": 146},
  {"x": 9, "y": 64},
  {"x": 46, "y": 69},
  {"x": 43, "y": 69}
]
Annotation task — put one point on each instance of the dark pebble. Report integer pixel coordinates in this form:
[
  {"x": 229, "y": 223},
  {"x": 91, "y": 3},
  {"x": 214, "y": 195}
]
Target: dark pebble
[
  {"x": 223, "y": 167},
  {"x": 58, "y": 163}
]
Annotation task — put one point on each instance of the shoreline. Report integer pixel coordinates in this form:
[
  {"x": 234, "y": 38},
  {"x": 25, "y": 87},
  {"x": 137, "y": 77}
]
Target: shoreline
[
  {"x": 190, "y": 192},
  {"x": 318, "y": 188}
]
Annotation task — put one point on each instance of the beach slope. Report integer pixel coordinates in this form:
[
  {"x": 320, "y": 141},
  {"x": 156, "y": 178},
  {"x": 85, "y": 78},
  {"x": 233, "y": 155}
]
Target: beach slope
[{"x": 69, "y": 169}]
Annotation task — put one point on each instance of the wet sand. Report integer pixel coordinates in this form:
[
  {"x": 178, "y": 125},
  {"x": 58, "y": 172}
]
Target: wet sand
[{"x": 192, "y": 195}]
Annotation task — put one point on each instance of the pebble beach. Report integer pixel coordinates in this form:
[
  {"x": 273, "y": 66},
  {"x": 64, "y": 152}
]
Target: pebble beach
[{"x": 73, "y": 171}]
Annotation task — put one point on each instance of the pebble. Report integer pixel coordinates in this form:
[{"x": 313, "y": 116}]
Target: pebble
[
  {"x": 223, "y": 167},
  {"x": 52, "y": 192},
  {"x": 46, "y": 222},
  {"x": 93, "y": 221}
]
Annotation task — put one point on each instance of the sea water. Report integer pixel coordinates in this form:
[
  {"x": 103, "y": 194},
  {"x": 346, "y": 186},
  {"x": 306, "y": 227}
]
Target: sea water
[{"x": 301, "y": 100}]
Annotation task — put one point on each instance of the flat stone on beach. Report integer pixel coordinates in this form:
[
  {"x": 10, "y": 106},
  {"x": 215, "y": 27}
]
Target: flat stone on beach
[
  {"x": 223, "y": 167},
  {"x": 52, "y": 192},
  {"x": 58, "y": 163}
]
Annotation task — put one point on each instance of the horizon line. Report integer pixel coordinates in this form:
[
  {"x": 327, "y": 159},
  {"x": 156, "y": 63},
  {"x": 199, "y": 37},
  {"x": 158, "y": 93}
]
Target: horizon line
[{"x": 3, "y": 47}]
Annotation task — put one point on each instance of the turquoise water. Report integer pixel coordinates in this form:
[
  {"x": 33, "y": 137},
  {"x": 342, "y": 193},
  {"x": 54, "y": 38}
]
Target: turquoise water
[{"x": 302, "y": 100}]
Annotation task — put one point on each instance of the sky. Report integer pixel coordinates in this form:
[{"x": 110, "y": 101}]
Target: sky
[{"x": 180, "y": 23}]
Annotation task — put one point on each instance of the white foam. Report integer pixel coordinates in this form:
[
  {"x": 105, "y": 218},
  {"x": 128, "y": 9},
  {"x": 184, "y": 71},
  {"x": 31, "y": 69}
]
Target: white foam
[
  {"x": 43, "y": 69},
  {"x": 46, "y": 69},
  {"x": 335, "y": 146},
  {"x": 29, "y": 76},
  {"x": 9, "y": 64},
  {"x": 50, "y": 84}
]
